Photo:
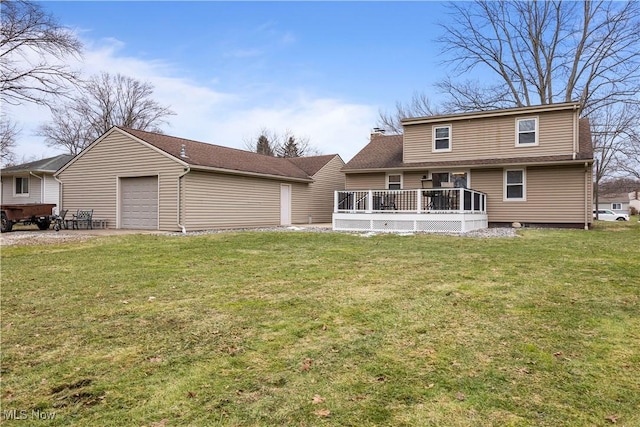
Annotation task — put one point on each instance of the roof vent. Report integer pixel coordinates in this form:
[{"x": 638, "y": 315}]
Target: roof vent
[
  {"x": 183, "y": 152},
  {"x": 379, "y": 131}
]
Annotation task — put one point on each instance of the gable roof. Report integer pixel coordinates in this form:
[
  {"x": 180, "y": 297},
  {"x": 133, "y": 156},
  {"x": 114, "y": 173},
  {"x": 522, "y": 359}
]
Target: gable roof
[
  {"x": 209, "y": 157},
  {"x": 50, "y": 164},
  {"x": 385, "y": 152},
  {"x": 312, "y": 164}
]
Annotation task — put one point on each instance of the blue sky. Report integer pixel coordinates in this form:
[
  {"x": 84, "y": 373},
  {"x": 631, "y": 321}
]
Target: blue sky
[{"x": 323, "y": 70}]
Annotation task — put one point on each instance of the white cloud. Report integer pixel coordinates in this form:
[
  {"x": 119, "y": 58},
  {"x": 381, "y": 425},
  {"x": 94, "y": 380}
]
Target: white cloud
[{"x": 223, "y": 117}]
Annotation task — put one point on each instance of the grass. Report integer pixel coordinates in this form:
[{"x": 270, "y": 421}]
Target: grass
[{"x": 325, "y": 329}]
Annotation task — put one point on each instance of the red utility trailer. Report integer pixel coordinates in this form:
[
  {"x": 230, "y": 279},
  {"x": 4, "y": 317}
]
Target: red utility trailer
[{"x": 37, "y": 213}]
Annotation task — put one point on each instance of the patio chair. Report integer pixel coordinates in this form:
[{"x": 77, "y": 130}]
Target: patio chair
[
  {"x": 82, "y": 216},
  {"x": 59, "y": 220},
  {"x": 388, "y": 202}
]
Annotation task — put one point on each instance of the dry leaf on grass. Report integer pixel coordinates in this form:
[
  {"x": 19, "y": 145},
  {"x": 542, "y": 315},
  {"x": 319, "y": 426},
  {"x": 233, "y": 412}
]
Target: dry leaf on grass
[
  {"x": 306, "y": 364},
  {"x": 318, "y": 399},
  {"x": 322, "y": 412},
  {"x": 461, "y": 396},
  {"x": 612, "y": 419}
]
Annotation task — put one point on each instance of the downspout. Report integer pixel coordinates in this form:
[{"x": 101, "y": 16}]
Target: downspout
[
  {"x": 61, "y": 186},
  {"x": 41, "y": 186},
  {"x": 587, "y": 183},
  {"x": 186, "y": 171},
  {"x": 576, "y": 134}
]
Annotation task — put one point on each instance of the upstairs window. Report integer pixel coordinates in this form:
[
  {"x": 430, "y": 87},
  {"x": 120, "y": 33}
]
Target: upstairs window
[
  {"x": 442, "y": 138},
  {"x": 514, "y": 185},
  {"x": 527, "y": 132},
  {"x": 22, "y": 186},
  {"x": 394, "y": 182}
]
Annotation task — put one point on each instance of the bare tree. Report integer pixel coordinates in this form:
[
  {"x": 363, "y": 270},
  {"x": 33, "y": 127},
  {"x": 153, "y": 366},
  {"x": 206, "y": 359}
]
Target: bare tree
[
  {"x": 619, "y": 185},
  {"x": 33, "y": 47},
  {"x": 615, "y": 130},
  {"x": 543, "y": 52},
  {"x": 420, "y": 105},
  {"x": 271, "y": 143},
  {"x": 105, "y": 101},
  {"x": 67, "y": 131},
  {"x": 630, "y": 155},
  {"x": 9, "y": 132}
]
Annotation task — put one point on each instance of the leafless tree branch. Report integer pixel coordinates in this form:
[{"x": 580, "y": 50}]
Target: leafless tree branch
[
  {"x": 9, "y": 132},
  {"x": 106, "y": 100},
  {"x": 33, "y": 47}
]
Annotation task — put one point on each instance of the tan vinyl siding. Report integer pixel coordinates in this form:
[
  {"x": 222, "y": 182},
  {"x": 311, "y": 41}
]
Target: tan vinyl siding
[
  {"x": 326, "y": 181},
  {"x": 493, "y": 137},
  {"x": 214, "y": 200},
  {"x": 412, "y": 180},
  {"x": 554, "y": 194},
  {"x": 91, "y": 182},
  {"x": 366, "y": 181},
  {"x": 300, "y": 196}
]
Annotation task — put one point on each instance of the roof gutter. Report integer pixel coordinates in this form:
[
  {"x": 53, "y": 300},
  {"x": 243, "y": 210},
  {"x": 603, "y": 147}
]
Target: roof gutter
[
  {"x": 420, "y": 167},
  {"x": 492, "y": 113},
  {"x": 186, "y": 171},
  {"x": 253, "y": 174}
]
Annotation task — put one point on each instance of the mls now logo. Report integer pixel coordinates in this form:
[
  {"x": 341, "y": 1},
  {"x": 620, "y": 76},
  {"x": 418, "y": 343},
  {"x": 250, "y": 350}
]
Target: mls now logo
[
  {"x": 36, "y": 414},
  {"x": 14, "y": 414}
]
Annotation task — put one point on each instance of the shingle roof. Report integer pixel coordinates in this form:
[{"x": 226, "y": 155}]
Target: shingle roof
[
  {"x": 311, "y": 165},
  {"x": 618, "y": 197},
  {"x": 50, "y": 164},
  {"x": 385, "y": 152},
  {"x": 200, "y": 154}
]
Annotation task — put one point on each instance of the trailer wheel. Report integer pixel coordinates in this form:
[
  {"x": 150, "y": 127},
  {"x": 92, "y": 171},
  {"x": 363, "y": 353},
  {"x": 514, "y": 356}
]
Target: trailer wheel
[
  {"x": 7, "y": 224},
  {"x": 43, "y": 224}
]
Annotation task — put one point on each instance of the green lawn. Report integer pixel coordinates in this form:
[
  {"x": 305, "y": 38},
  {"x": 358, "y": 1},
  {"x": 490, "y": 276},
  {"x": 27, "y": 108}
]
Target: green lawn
[{"x": 305, "y": 329}]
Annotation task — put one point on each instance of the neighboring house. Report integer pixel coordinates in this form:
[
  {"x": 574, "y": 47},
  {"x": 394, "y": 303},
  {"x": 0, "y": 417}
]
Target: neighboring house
[
  {"x": 143, "y": 180},
  {"x": 459, "y": 172},
  {"x": 619, "y": 203},
  {"x": 32, "y": 182},
  {"x": 634, "y": 200}
]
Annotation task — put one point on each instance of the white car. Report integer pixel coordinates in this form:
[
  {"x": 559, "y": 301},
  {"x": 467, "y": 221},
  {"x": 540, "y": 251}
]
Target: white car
[{"x": 609, "y": 215}]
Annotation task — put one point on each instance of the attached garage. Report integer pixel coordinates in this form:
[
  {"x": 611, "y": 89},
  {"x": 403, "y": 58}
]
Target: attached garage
[
  {"x": 144, "y": 180},
  {"x": 139, "y": 203}
]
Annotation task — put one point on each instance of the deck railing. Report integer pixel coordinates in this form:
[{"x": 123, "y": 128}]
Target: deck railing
[{"x": 432, "y": 200}]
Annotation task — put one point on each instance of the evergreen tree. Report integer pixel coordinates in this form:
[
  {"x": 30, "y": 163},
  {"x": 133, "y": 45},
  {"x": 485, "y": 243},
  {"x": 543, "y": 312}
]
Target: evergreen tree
[{"x": 263, "y": 146}]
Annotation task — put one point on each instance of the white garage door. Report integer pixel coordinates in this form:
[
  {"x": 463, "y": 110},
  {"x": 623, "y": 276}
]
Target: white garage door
[{"x": 139, "y": 203}]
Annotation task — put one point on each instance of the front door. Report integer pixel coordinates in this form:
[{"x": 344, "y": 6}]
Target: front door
[{"x": 285, "y": 204}]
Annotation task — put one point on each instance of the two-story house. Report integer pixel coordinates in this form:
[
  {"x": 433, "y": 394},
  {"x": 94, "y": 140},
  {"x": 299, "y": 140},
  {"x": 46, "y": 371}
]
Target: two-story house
[{"x": 460, "y": 172}]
